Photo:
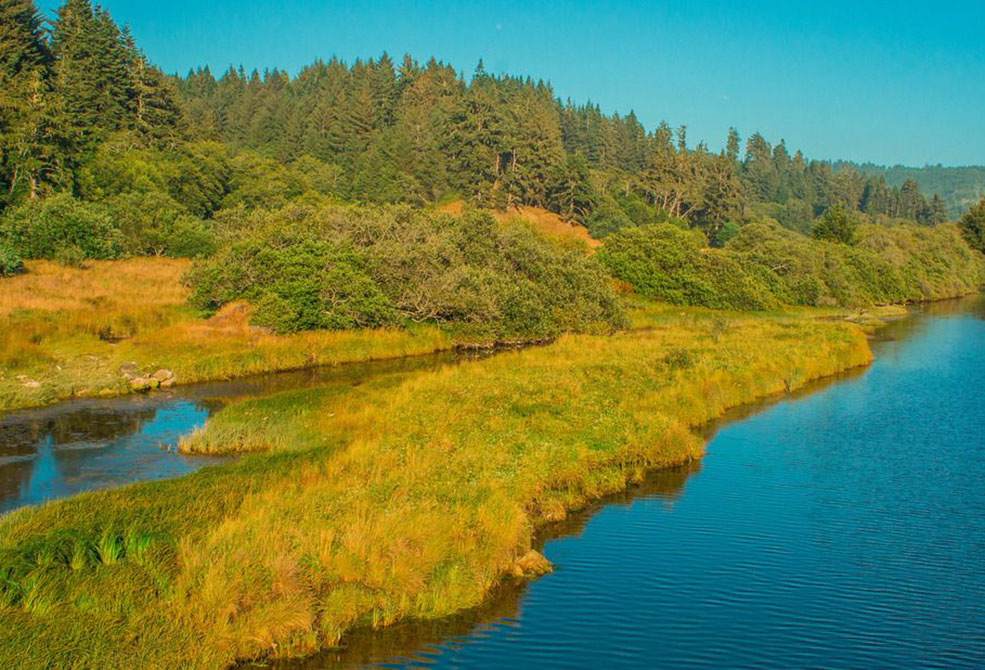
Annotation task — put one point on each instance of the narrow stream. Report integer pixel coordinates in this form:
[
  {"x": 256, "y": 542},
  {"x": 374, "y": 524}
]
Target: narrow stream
[
  {"x": 843, "y": 528},
  {"x": 89, "y": 444}
]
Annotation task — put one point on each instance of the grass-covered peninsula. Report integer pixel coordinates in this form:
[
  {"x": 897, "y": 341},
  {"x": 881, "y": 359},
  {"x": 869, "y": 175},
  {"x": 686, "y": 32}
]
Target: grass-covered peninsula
[{"x": 410, "y": 497}]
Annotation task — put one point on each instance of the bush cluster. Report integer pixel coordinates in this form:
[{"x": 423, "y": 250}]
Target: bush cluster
[
  {"x": 10, "y": 261},
  {"x": 764, "y": 265},
  {"x": 61, "y": 226},
  {"x": 669, "y": 263},
  {"x": 347, "y": 267}
]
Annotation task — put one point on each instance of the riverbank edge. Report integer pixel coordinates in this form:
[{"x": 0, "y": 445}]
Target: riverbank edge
[
  {"x": 573, "y": 523},
  {"x": 546, "y": 529},
  {"x": 620, "y": 469},
  {"x": 620, "y": 478},
  {"x": 122, "y": 389}
]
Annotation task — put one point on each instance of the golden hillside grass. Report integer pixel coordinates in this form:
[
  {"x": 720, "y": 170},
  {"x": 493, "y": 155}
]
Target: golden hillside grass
[
  {"x": 547, "y": 223},
  {"x": 129, "y": 285},
  {"x": 70, "y": 330},
  {"x": 411, "y": 496}
]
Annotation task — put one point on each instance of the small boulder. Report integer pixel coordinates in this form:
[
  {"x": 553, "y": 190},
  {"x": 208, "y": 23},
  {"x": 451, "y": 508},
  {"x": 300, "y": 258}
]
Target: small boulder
[
  {"x": 532, "y": 564},
  {"x": 31, "y": 384},
  {"x": 163, "y": 375},
  {"x": 167, "y": 383},
  {"x": 143, "y": 384}
]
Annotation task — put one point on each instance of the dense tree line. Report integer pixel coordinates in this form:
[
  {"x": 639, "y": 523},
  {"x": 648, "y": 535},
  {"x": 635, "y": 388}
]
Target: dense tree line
[
  {"x": 378, "y": 131},
  {"x": 959, "y": 187},
  {"x": 103, "y": 156},
  {"x": 418, "y": 133},
  {"x": 65, "y": 89}
]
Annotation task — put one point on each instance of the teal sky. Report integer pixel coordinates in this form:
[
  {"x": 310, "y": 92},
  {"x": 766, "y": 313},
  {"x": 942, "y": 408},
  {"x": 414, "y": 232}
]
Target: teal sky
[{"x": 890, "y": 82}]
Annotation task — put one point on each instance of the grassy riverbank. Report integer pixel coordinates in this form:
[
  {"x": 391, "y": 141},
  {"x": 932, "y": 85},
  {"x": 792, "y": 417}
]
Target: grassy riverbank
[
  {"x": 410, "y": 497},
  {"x": 65, "y": 332}
]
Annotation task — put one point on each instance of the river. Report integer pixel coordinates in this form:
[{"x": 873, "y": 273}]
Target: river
[{"x": 843, "y": 528}]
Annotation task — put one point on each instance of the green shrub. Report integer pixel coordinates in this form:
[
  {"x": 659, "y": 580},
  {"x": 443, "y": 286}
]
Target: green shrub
[
  {"x": 297, "y": 282},
  {"x": 351, "y": 267},
  {"x": 40, "y": 228},
  {"x": 70, "y": 256},
  {"x": 191, "y": 238},
  {"x": 793, "y": 259},
  {"x": 10, "y": 262},
  {"x": 765, "y": 264},
  {"x": 152, "y": 224},
  {"x": 668, "y": 263}
]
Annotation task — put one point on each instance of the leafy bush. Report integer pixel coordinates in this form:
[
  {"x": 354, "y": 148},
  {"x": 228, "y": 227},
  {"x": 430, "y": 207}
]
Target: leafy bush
[
  {"x": 297, "y": 282},
  {"x": 668, "y": 263},
  {"x": 70, "y": 256},
  {"x": 10, "y": 261},
  {"x": 930, "y": 261},
  {"x": 836, "y": 225},
  {"x": 153, "y": 224},
  {"x": 765, "y": 264},
  {"x": 39, "y": 229},
  {"x": 350, "y": 267}
]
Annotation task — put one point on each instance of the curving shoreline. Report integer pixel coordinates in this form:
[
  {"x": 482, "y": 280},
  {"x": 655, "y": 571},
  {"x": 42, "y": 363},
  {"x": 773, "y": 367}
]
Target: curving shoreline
[{"x": 405, "y": 499}]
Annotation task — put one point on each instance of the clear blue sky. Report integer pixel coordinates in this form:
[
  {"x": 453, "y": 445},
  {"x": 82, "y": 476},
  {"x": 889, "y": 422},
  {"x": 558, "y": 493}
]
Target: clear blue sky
[{"x": 891, "y": 82}]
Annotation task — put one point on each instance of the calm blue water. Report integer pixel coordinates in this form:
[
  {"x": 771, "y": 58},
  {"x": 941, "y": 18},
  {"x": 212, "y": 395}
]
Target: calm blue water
[
  {"x": 82, "y": 445},
  {"x": 842, "y": 529}
]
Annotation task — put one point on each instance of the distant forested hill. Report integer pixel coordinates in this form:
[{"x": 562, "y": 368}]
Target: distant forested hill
[
  {"x": 90, "y": 126},
  {"x": 960, "y": 187}
]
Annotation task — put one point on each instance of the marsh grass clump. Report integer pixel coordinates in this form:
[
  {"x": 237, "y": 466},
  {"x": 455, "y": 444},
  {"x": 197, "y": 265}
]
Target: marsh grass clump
[
  {"x": 407, "y": 498},
  {"x": 679, "y": 359}
]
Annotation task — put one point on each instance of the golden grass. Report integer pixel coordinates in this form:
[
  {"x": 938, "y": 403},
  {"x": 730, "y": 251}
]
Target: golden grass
[
  {"x": 128, "y": 285},
  {"x": 550, "y": 225},
  {"x": 545, "y": 222},
  {"x": 408, "y": 498},
  {"x": 70, "y": 330}
]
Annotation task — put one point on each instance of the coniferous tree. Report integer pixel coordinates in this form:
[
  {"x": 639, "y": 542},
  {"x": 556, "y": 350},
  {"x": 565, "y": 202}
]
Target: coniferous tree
[
  {"x": 937, "y": 212},
  {"x": 26, "y": 151},
  {"x": 973, "y": 226}
]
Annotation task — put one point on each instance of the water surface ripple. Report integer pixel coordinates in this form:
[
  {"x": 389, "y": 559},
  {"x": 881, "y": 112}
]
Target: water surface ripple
[{"x": 841, "y": 529}]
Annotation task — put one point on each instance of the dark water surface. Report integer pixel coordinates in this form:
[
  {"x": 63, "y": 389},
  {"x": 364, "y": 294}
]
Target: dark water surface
[
  {"x": 844, "y": 528},
  {"x": 82, "y": 445}
]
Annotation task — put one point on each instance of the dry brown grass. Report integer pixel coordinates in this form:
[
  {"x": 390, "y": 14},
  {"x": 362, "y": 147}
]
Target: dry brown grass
[
  {"x": 130, "y": 285},
  {"x": 550, "y": 225},
  {"x": 65, "y": 333}
]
